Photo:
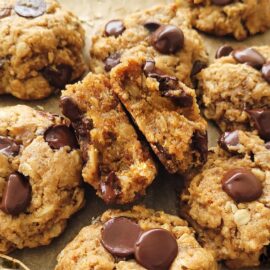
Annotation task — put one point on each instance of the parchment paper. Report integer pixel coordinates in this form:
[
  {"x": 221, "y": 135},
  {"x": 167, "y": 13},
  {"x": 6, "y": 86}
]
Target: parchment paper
[{"x": 163, "y": 193}]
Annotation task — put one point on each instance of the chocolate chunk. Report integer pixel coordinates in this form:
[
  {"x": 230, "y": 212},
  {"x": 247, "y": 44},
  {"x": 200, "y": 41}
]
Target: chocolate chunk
[
  {"x": 221, "y": 2},
  {"x": 60, "y": 136},
  {"x": 152, "y": 26},
  {"x": 261, "y": 119},
  {"x": 17, "y": 194},
  {"x": 267, "y": 145},
  {"x": 156, "y": 249},
  {"x": 70, "y": 108},
  {"x": 266, "y": 71},
  {"x": 200, "y": 143},
  {"x": 224, "y": 50},
  {"x": 167, "y": 83},
  {"x": 30, "y": 8},
  {"x": 8, "y": 146},
  {"x": 83, "y": 126},
  {"x": 58, "y": 76},
  {"x": 198, "y": 65},
  {"x": 149, "y": 68},
  {"x": 168, "y": 39},
  {"x": 119, "y": 236},
  {"x": 5, "y": 12},
  {"x": 250, "y": 57},
  {"x": 242, "y": 185},
  {"x": 114, "y": 28},
  {"x": 110, "y": 188},
  {"x": 112, "y": 61},
  {"x": 228, "y": 139},
  {"x": 180, "y": 98}
]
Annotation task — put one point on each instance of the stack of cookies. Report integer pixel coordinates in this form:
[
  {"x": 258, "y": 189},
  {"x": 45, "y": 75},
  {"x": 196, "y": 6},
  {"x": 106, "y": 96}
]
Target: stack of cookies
[{"x": 142, "y": 106}]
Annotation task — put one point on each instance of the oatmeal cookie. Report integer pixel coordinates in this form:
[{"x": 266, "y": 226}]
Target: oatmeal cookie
[
  {"x": 40, "y": 177},
  {"x": 117, "y": 164},
  {"x": 235, "y": 89},
  {"x": 162, "y": 34},
  {"x": 229, "y": 17},
  {"x": 40, "y": 48},
  {"x": 228, "y": 201},
  {"x": 101, "y": 246},
  {"x": 165, "y": 111}
]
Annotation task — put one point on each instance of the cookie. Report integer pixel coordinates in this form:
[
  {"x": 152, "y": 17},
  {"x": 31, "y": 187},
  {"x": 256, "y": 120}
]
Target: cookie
[
  {"x": 117, "y": 164},
  {"x": 40, "y": 177},
  {"x": 102, "y": 246},
  {"x": 41, "y": 48},
  {"x": 229, "y": 17},
  {"x": 235, "y": 89},
  {"x": 162, "y": 34},
  {"x": 165, "y": 111},
  {"x": 228, "y": 201}
]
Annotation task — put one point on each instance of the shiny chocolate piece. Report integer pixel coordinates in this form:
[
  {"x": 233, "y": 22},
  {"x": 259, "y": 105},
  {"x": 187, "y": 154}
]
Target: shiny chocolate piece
[
  {"x": 242, "y": 185},
  {"x": 8, "y": 146},
  {"x": 197, "y": 67},
  {"x": 224, "y": 50},
  {"x": 261, "y": 119},
  {"x": 228, "y": 139},
  {"x": 221, "y": 2},
  {"x": 156, "y": 249},
  {"x": 168, "y": 39},
  {"x": 266, "y": 71},
  {"x": 17, "y": 195},
  {"x": 114, "y": 28},
  {"x": 152, "y": 26},
  {"x": 267, "y": 145},
  {"x": 30, "y": 8},
  {"x": 70, "y": 108},
  {"x": 119, "y": 236},
  {"x": 112, "y": 61},
  {"x": 60, "y": 136},
  {"x": 250, "y": 57},
  {"x": 180, "y": 98}
]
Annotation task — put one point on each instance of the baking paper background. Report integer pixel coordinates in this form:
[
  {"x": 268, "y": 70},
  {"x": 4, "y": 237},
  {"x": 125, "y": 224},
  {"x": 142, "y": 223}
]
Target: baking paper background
[{"x": 162, "y": 194}]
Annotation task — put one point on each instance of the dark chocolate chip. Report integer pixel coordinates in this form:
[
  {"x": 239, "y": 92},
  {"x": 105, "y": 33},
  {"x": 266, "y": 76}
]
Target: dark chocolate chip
[
  {"x": 180, "y": 98},
  {"x": 242, "y": 185},
  {"x": 221, "y": 2},
  {"x": 167, "y": 83},
  {"x": 17, "y": 194},
  {"x": 149, "y": 68},
  {"x": 267, "y": 145},
  {"x": 156, "y": 249},
  {"x": 70, "y": 108},
  {"x": 114, "y": 28},
  {"x": 112, "y": 61},
  {"x": 30, "y": 8},
  {"x": 261, "y": 119},
  {"x": 83, "y": 126},
  {"x": 5, "y": 12},
  {"x": 200, "y": 143},
  {"x": 198, "y": 65},
  {"x": 60, "y": 136},
  {"x": 8, "y": 146},
  {"x": 228, "y": 139},
  {"x": 58, "y": 76},
  {"x": 119, "y": 236},
  {"x": 110, "y": 189},
  {"x": 266, "y": 71},
  {"x": 250, "y": 57},
  {"x": 152, "y": 26},
  {"x": 224, "y": 50},
  {"x": 168, "y": 39}
]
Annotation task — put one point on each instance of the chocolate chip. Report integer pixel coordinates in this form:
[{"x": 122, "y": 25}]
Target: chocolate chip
[
  {"x": 30, "y": 8},
  {"x": 266, "y": 71},
  {"x": 180, "y": 98},
  {"x": 228, "y": 139},
  {"x": 110, "y": 188},
  {"x": 261, "y": 119},
  {"x": 5, "y": 12},
  {"x": 242, "y": 185},
  {"x": 152, "y": 26},
  {"x": 198, "y": 65},
  {"x": 17, "y": 194},
  {"x": 168, "y": 39},
  {"x": 250, "y": 57},
  {"x": 114, "y": 28},
  {"x": 58, "y": 76},
  {"x": 224, "y": 50},
  {"x": 200, "y": 143},
  {"x": 167, "y": 83},
  {"x": 267, "y": 145},
  {"x": 221, "y": 2},
  {"x": 119, "y": 236},
  {"x": 112, "y": 61},
  {"x": 83, "y": 126},
  {"x": 70, "y": 108},
  {"x": 149, "y": 68},
  {"x": 156, "y": 249},
  {"x": 8, "y": 146},
  {"x": 60, "y": 136}
]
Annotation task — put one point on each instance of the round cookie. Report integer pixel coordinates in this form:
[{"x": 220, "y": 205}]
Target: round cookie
[
  {"x": 162, "y": 34},
  {"x": 228, "y": 201},
  {"x": 40, "y": 177},
  {"x": 41, "y": 48},
  {"x": 236, "y": 87},
  {"x": 87, "y": 250},
  {"x": 229, "y": 17}
]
